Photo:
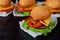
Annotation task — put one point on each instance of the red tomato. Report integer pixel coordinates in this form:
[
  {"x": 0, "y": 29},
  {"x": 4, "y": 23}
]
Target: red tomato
[
  {"x": 28, "y": 18},
  {"x": 35, "y": 24}
]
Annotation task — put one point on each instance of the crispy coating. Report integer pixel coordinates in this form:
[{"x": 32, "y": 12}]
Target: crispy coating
[
  {"x": 5, "y": 3},
  {"x": 40, "y": 13},
  {"x": 53, "y": 3},
  {"x": 26, "y": 3}
]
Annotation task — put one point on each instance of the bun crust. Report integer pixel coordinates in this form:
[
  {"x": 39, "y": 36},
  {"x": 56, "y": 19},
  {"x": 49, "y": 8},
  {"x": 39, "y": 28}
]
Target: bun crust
[
  {"x": 53, "y": 3},
  {"x": 5, "y": 3},
  {"x": 40, "y": 13},
  {"x": 26, "y": 3}
]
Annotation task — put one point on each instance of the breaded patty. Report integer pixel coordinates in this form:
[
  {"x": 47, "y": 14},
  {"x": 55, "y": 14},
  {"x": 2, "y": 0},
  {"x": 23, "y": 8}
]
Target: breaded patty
[
  {"x": 40, "y": 13},
  {"x": 5, "y": 3},
  {"x": 27, "y": 3},
  {"x": 53, "y": 3}
]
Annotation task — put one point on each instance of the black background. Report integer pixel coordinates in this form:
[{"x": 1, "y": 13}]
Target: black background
[{"x": 9, "y": 30}]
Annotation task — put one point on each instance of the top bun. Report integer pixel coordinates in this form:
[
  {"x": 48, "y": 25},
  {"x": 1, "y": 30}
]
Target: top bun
[
  {"x": 26, "y": 3},
  {"x": 40, "y": 13},
  {"x": 53, "y": 3},
  {"x": 5, "y": 3}
]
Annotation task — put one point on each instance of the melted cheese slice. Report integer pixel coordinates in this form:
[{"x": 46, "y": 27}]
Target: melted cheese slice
[
  {"x": 56, "y": 10},
  {"x": 10, "y": 7},
  {"x": 53, "y": 9},
  {"x": 46, "y": 22}
]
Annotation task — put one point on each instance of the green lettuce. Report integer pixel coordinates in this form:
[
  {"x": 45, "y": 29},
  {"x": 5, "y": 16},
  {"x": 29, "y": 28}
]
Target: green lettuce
[
  {"x": 26, "y": 26},
  {"x": 24, "y": 13},
  {"x": 43, "y": 4},
  {"x": 44, "y": 31}
]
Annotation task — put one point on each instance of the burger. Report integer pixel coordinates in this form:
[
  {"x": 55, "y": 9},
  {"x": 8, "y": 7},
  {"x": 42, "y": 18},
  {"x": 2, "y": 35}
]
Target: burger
[
  {"x": 53, "y": 5},
  {"x": 24, "y": 7},
  {"x": 39, "y": 20},
  {"x": 6, "y": 6}
]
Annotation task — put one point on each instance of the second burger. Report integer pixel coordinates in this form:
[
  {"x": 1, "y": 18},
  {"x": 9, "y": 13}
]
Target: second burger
[{"x": 24, "y": 7}]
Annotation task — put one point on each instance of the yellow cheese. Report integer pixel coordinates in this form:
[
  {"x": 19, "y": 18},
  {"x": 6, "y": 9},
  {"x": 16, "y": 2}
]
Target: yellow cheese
[
  {"x": 56, "y": 10},
  {"x": 46, "y": 22},
  {"x": 2, "y": 8}
]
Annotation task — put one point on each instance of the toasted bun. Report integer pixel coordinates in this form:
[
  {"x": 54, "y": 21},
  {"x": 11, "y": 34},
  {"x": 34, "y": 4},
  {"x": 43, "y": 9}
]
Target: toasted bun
[
  {"x": 53, "y": 3},
  {"x": 40, "y": 13},
  {"x": 5, "y": 3},
  {"x": 26, "y": 3},
  {"x": 7, "y": 9}
]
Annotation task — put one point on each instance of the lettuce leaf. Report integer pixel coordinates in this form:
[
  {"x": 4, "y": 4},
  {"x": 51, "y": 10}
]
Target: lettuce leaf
[
  {"x": 26, "y": 26},
  {"x": 44, "y": 31},
  {"x": 18, "y": 12},
  {"x": 24, "y": 13},
  {"x": 43, "y": 4}
]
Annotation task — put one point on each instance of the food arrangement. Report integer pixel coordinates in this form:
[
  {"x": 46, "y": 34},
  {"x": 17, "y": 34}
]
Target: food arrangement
[
  {"x": 38, "y": 21},
  {"x": 24, "y": 7},
  {"x": 41, "y": 19}
]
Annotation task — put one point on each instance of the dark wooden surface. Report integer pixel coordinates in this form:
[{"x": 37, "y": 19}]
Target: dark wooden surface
[
  {"x": 54, "y": 35},
  {"x": 10, "y": 30},
  {"x": 8, "y": 27}
]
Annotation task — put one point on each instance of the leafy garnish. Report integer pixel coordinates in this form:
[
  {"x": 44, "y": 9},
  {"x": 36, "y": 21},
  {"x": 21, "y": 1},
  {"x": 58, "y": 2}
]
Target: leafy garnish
[
  {"x": 43, "y": 4},
  {"x": 44, "y": 31},
  {"x": 26, "y": 25},
  {"x": 24, "y": 13}
]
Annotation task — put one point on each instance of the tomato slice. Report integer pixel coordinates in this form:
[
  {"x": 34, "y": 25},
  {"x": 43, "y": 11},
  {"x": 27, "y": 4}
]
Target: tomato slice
[
  {"x": 28, "y": 18},
  {"x": 35, "y": 24}
]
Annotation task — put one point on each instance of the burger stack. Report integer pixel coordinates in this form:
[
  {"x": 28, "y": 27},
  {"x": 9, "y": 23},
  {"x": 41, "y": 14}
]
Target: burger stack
[
  {"x": 41, "y": 19},
  {"x": 53, "y": 5},
  {"x": 6, "y": 7}
]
